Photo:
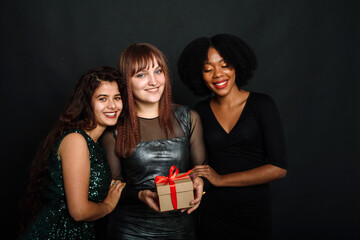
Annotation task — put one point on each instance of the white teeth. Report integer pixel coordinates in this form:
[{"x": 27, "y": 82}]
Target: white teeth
[
  {"x": 220, "y": 84},
  {"x": 110, "y": 114},
  {"x": 152, "y": 90}
]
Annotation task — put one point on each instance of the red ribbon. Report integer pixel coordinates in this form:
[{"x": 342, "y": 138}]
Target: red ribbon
[{"x": 173, "y": 172}]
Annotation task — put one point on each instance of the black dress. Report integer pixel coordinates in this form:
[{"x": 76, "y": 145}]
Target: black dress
[
  {"x": 154, "y": 156},
  {"x": 256, "y": 139}
]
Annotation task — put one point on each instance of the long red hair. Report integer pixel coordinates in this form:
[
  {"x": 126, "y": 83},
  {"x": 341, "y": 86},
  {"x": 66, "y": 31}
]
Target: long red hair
[{"x": 133, "y": 59}]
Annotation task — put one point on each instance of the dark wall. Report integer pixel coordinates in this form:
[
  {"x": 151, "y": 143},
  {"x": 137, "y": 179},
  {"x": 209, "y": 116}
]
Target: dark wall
[{"x": 308, "y": 53}]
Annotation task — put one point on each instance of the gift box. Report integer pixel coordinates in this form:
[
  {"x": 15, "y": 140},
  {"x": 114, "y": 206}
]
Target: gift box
[{"x": 175, "y": 191}]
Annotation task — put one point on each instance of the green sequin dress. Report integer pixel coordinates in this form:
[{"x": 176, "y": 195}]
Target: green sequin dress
[{"x": 54, "y": 220}]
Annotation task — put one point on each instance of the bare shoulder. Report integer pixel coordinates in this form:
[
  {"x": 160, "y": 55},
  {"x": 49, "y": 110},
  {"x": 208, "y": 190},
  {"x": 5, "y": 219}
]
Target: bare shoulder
[
  {"x": 73, "y": 142},
  {"x": 73, "y": 138}
]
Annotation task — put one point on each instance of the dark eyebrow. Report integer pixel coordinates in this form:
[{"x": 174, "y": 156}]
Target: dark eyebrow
[
  {"x": 101, "y": 95},
  {"x": 104, "y": 95}
]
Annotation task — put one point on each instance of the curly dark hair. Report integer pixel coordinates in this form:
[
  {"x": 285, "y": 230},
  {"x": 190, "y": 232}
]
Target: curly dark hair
[
  {"x": 78, "y": 113},
  {"x": 235, "y": 52}
]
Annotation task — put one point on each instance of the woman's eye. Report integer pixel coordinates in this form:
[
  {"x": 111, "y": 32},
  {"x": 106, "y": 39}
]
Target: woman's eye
[
  {"x": 140, "y": 75},
  {"x": 102, "y": 99},
  {"x": 117, "y": 98},
  {"x": 227, "y": 65},
  {"x": 158, "y": 71},
  {"x": 207, "y": 70}
]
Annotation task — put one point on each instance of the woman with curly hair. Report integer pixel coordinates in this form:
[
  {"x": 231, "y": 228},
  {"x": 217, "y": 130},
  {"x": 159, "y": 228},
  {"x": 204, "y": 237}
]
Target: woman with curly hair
[
  {"x": 70, "y": 181},
  {"x": 243, "y": 136},
  {"x": 156, "y": 134}
]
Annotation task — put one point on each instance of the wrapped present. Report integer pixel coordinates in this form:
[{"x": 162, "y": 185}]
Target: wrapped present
[{"x": 175, "y": 191}]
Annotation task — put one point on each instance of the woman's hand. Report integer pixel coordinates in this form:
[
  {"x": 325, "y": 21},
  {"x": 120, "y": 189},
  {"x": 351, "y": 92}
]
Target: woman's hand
[
  {"x": 114, "y": 194},
  {"x": 209, "y": 173},
  {"x": 198, "y": 187},
  {"x": 150, "y": 198}
]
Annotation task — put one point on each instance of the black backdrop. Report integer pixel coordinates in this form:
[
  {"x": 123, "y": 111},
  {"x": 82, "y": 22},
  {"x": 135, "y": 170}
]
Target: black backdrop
[{"x": 308, "y": 54}]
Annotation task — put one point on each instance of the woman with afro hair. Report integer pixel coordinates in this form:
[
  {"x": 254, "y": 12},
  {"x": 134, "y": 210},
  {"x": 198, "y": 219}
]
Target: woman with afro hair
[{"x": 243, "y": 135}]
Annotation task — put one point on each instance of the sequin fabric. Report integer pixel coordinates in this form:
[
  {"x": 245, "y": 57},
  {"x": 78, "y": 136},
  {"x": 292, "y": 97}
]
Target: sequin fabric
[{"x": 54, "y": 220}]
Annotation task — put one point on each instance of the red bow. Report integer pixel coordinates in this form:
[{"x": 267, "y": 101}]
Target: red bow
[{"x": 173, "y": 172}]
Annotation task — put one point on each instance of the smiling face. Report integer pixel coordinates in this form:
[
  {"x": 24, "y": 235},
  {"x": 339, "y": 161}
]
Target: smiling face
[
  {"x": 148, "y": 85},
  {"x": 107, "y": 104},
  {"x": 217, "y": 74}
]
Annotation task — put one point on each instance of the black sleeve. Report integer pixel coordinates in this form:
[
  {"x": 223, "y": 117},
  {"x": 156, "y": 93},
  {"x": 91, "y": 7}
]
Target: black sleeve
[{"x": 273, "y": 133}]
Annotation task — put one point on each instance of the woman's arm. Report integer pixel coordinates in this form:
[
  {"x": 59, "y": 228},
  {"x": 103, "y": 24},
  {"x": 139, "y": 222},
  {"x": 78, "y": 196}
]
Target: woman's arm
[
  {"x": 260, "y": 175},
  {"x": 197, "y": 157},
  {"x": 274, "y": 147},
  {"x": 108, "y": 141},
  {"x": 74, "y": 155},
  {"x": 197, "y": 145}
]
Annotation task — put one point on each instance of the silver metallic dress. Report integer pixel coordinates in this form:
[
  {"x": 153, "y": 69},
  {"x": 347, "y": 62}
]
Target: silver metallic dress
[{"x": 154, "y": 156}]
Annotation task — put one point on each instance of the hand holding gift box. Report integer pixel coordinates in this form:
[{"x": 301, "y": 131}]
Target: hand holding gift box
[{"x": 175, "y": 191}]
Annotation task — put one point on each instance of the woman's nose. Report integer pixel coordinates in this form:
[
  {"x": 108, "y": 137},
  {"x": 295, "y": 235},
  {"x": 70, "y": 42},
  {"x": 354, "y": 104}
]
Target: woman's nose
[
  {"x": 111, "y": 104},
  {"x": 218, "y": 72},
  {"x": 152, "y": 80}
]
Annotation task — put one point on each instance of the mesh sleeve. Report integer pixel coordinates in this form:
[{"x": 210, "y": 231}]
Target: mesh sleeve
[
  {"x": 197, "y": 146},
  {"x": 108, "y": 142}
]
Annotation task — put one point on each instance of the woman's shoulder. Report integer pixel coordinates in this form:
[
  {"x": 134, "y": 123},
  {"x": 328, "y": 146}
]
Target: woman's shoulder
[
  {"x": 74, "y": 133},
  {"x": 181, "y": 110},
  {"x": 75, "y": 136},
  {"x": 186, "y": 110},
  {"x": 262, "y": 104},
  {"x": 259, "y": 99},
  {"x": 72, "y": 140}
]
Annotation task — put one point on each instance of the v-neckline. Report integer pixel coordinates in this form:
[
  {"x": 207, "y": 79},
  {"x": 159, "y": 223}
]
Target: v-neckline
[{"x": 238, "y": 120}]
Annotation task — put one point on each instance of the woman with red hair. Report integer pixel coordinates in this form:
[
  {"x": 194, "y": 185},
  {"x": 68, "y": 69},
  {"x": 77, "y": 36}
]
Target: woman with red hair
[{"x": 156, "y": 134}]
